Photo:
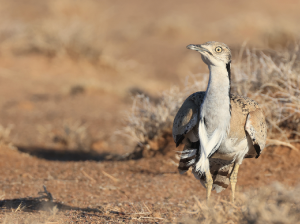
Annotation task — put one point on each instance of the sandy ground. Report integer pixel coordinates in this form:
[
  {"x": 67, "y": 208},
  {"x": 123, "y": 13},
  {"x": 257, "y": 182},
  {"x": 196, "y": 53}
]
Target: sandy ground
[{"x": 95, "y": 190}]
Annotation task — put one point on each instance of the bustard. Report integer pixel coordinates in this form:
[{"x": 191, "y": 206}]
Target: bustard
[{"x": 219, "y": 129}]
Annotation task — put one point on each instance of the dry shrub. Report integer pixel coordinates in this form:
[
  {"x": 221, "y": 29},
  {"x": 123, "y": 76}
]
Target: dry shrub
[
  {"x": 270, "y": 78},
  {"x": 149, "y": 124},
  {"x": 273, "y": 204},
  {"x": 50, "y": 39},
  {"x": 58, "y": 30},
  {"x": 69, "y": 134},
  {"x": 5, "y": 138}
]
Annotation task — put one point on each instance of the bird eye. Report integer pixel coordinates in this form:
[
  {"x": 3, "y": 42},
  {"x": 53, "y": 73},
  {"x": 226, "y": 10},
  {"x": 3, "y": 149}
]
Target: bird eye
[{"x": 218, "y": 49}]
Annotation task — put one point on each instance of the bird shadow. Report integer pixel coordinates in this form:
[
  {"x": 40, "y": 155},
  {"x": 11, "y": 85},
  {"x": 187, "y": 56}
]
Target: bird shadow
[
  {"x": 65, "y": 155},
  {"x": 32, "y": 204},
  {"x": 36, "y": 204},
  {"x": 42, "y": 203},
  {"x": 45, "y": 203}
]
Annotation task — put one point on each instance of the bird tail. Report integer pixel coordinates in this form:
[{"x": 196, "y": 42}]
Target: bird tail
[
  {"x": 188, "y": 156},
  {"x": 220, "y": 170}
]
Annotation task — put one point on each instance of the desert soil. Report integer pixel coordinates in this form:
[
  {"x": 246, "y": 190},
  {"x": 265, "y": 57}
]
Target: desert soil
[{"x": 135, "y": 191}]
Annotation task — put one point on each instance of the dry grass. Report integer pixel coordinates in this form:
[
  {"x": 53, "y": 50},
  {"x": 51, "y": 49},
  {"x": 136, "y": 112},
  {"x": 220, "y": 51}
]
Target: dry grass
[
  {"x": 57, "y": 32},
  {"x": 272, "y": 79},
  {"x": 68, "y": 134},
  {"x": 148, "y": 120},
  {"x": 5, "y": 138},
  {"x": 274, "y": 204},
  {"x": 148, "y": 124}
]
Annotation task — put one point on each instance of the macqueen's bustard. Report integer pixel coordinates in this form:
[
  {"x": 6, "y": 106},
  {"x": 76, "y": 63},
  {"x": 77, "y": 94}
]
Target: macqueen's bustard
[{"x": 219, "y": 129}]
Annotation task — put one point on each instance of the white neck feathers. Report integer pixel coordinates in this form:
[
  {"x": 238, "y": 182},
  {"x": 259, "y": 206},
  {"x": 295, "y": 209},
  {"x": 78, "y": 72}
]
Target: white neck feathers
[
  {"x": 214, "y": 115},
  {"x": 216, "y": 106}
]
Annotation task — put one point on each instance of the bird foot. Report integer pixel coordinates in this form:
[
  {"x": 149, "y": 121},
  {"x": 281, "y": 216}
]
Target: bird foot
[
  {"x": 208, "y": 184},
  {"x": 233, "y": 180}
]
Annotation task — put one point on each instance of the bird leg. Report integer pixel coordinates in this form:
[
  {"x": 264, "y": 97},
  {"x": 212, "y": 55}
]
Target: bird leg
[
  {"x": 233, "y": 180},
  {"x": 208, "y": 184}
]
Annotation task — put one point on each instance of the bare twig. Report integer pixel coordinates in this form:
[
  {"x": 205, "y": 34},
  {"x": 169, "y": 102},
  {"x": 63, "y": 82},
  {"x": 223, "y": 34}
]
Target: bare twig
[
  {"x": 278, "y": 142},
  {"x": 149, "y": 218},
  {"x": 147, "y": 208},
  {"x": 88, "y": 176},
  {"x": 110, "y": 176},
  {"x": 45, "y": 194}
]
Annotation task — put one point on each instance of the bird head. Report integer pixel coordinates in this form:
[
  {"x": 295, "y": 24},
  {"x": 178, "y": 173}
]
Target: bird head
[{"x": 213, "y": 53}]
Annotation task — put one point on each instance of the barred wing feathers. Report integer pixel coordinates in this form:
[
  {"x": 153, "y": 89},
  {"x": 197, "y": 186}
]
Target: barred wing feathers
[{"x": 187, "y": 117}]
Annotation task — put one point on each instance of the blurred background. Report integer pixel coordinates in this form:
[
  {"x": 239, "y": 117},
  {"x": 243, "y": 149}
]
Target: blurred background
[{"x": 68, "y": 63}]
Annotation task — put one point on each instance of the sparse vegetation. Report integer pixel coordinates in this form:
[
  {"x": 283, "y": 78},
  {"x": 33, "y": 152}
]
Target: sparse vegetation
[
  {"x": 147, "y": 122},
  {"x": 272, "y": 79},
  {"x": 58, "y": 36},
  {"x": 273, "y": 204},
  {"x": 72, "y": 135},
  {"x": 5, "y": 138}
]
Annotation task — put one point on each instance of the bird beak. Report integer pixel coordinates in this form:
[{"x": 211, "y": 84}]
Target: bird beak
[{"x": 197, "y": 47}]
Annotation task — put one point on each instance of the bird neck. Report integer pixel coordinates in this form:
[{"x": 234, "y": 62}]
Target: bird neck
[{"x": 216, "y": 105}]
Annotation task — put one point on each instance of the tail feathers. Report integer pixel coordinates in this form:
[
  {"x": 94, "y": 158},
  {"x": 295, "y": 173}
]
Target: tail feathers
[
  {"x": 188, "y": 153},
  {"x": 221, "y": 179},
  {"x": 188, "y": 156},
  {"x": 220, "y": 170},
  {"x": 186, "y": 163}
]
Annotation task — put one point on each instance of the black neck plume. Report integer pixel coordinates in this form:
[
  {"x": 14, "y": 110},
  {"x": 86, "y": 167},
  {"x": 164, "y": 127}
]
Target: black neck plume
[
  {"x": 229, "y": 77},
  {"x": 228, "y": 70}
]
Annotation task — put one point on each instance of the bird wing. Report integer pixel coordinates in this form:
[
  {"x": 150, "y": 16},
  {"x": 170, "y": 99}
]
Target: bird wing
[
  {"x": 185, "y": 125},
  {"x": 185, "y": 120},
  {"x": 187, "y": 116},
  {"x": 257, "y": 129}
]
